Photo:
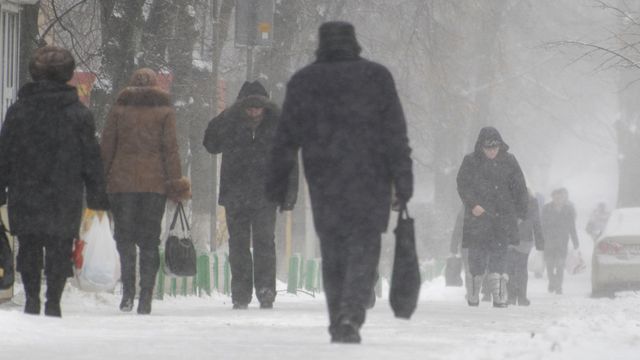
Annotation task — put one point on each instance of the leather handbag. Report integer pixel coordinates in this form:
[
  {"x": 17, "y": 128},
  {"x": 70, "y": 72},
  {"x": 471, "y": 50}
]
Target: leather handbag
[
  {"x": 405, "y": 279},
  {"x": 7, "y": 272},
  {"x": 179, "y": 252}
]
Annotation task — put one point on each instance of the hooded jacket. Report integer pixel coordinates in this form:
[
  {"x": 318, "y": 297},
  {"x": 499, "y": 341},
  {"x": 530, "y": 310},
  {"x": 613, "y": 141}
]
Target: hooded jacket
[
  {"x": 498, "y": 186},
  {"x": 245, "y": 149},
  {"x": 49, "y": 155},
  {"x": 344, "y": 113}
]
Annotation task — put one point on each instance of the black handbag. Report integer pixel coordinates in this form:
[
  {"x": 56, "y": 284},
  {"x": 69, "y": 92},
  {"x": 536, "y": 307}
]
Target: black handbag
[
  {"x": 452, "y": 272},
  {"x": 179, "y": 252},
  {"x": 7, "y": 272},
  {"x": 405, "y": 279}
]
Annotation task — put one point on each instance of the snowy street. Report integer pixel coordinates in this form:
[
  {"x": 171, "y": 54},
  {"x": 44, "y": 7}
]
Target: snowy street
[{"x": 571, "y": 326}]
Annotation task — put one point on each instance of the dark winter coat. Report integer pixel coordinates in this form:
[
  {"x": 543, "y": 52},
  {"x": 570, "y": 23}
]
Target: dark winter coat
[
  {"x": 245, "y": 152},
  {"x": 559, "y": 225},
  {"x": 530, "y": 229},
  {"x": 498, "y": 186},
  {"x": 343, "y": 111},
  {"x": 49, "y": 154},
  {"x": 139, "y": 145}
]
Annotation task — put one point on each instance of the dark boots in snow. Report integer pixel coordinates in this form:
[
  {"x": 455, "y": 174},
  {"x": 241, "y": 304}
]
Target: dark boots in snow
[
  {"x": 346, "y": 332},
  {"x": 144, "y": 303},
  {"x": 473, "y": 298},
  {"x": 32, "y": 293},
  {"x": 55, "y": 286}
]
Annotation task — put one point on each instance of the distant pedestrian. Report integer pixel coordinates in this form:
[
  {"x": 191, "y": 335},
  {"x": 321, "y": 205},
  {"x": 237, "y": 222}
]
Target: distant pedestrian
[
  {"x": 343, "y": 111},
  {"x": 493, "y": 190},
  {"x": 142, "y": 164},
  {"x": 530, "y": 232},
  {"x": 559, "y": 225},
  {"x": 244, "y": 134},
  {"x": 49, "y": 158}
]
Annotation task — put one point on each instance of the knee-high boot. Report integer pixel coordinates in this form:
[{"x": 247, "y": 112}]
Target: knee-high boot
[
  {"x": 127, "y": 252},
  {"x": 498, "y": 285},
  {"x": 55, "y": 287},
  {"x": 149, "y": 263},
  {"x": 31, "y": 282}
]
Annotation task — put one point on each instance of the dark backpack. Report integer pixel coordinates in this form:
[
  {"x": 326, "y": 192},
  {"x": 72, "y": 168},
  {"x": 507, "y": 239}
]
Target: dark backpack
[{"x": 7, "y": 272}]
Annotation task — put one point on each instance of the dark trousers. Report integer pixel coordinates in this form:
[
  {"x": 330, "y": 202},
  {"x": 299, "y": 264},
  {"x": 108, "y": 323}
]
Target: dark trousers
[
  {"x": 259, "y": 270},
  {"x": 555, "y": 269},
  {"x": 54, "y": 253},
  {"x": 518, "y": 275},
  {"x": 349, "y": 270},
  {"x": 489, "y": 258},
  {"x": 137, "y": 219}
]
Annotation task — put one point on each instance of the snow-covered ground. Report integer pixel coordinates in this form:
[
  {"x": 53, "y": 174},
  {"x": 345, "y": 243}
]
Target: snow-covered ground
[{"x": 570, "y": 326}]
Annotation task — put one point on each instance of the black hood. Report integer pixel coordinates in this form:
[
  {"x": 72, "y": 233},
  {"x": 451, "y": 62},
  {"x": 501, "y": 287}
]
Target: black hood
[
  {"x": 489, "y": 136},
  {"x": 48, "y": 93},
  {"x": 337, "y": 41},
  {"x": 252, "y": 88}
]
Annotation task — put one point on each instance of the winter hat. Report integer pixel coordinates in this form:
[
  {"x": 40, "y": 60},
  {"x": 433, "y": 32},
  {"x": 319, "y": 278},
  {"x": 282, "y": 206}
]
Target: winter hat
[
  {"x": 144, "y": 77},
  {"x": 252, "y": 88},
  {"x": 337, "y": 38},
  {"x": 52, "y": 63},
  {"x": 489, "y": 137}
]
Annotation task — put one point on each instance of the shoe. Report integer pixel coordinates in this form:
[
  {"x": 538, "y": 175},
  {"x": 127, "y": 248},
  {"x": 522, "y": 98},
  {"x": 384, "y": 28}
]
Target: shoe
[
  {"x": 346, "y": 333},
  {"x": 241, "y": 306},
  {"x": 52, "y": 309},
  {"x": 524, "y": 302},
  {"x": 266, "y": 305},
  {"x": 126, "y": 305},
  {"x": 32, "y": 306},
  {"x": 144, "y": 303}
]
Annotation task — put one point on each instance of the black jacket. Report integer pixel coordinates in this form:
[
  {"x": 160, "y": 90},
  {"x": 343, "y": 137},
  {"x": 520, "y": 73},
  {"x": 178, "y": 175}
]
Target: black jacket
[
  {"x": 245, "y": 154},
  {"x": 498, "y": 186},
  {"x": 343, "y": 111},
  {"x": 49, "y": 154}
]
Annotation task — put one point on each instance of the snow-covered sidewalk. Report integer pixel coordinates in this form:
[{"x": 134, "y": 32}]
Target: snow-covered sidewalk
[{"x": 571, "y": 326}]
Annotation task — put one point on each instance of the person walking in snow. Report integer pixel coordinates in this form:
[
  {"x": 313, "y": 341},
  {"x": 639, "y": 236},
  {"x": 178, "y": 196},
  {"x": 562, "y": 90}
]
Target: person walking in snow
[
  {"x": 49, "y": 157},
  {"x": 530, "y": 232},
  {"x": 493, "y": 190},
  {"x": 559, "y": 225},
  {"x": 142, "y": 164},
  {"x": 343, "y": 111},
  {"x": 244, "y": 135}
]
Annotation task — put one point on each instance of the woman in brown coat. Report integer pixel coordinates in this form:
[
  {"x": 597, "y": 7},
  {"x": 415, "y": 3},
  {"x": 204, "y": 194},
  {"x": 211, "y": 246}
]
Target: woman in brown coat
[{"x": 142, "y": 166}]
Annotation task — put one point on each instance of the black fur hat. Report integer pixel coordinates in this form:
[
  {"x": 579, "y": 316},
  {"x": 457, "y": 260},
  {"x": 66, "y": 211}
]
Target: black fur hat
[
  {"x": 252, "y": 88},
  {"x": 52, "y": 63}
]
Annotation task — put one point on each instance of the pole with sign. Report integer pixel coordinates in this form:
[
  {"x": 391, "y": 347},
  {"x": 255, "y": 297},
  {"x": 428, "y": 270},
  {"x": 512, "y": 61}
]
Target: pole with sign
[{"x": 254, "y": 27}]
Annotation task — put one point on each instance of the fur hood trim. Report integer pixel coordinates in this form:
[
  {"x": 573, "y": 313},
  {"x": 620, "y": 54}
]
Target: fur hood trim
[{"x": 143, "y": 96}]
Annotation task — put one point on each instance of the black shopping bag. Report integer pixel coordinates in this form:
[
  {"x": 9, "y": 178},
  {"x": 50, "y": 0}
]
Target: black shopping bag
[
  {"x": 179, "y": 252},
  {"x": 452, "y": 272},
  {"x": 405, "y": 280},
  {"x": 7, "y": 272}
]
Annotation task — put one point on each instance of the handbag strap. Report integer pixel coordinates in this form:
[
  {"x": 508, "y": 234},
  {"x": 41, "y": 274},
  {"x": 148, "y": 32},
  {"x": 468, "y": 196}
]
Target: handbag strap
[
  {"x": 180, "y": 212},
  {"x": 403, "y": 213}
]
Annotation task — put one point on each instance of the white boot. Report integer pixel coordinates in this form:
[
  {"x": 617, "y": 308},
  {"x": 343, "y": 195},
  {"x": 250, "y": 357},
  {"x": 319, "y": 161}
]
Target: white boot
[{"x": 498, "y": 285}]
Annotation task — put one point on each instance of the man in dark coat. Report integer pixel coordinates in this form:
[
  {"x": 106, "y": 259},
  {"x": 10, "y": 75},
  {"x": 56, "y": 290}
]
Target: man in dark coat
[
  {"x": 344, "y": 112},
  {"x": 559, "y": 225},
  {"x": 49, "y": 155},
  {"x": 244, "y": 135},
  {"x": 493, "y": 190},
  {"x": 530, "y": 232}
]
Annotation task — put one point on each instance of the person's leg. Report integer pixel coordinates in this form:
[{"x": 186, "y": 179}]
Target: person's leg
[
  {"x": 123, "y": 209},
  {"x": 333, "y": 274},
  {"x": 498, "y": 277},
  {"x": 511, "y": 270},
  {"x": 549, "y": 260},
  {"x": 468, "y": 278},
  {"x": 150, "y": 212},
  {"x": 524, "y": 280},
  {"x": 29, "y": 265},
  {"x": 560, "y": 265},
  {"x": 58, "y": 267},
  {"x": 477, "y": 267},
  {"x": 239, "y": 226},
  {"x": 264, "y": 255}
]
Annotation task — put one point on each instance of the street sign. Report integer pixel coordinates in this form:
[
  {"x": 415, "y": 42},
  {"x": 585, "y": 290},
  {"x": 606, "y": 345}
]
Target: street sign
[{"x": 254, "y": 22}]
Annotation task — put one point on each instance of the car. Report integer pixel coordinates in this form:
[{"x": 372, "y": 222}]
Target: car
[{"x": 616, "y": 254}]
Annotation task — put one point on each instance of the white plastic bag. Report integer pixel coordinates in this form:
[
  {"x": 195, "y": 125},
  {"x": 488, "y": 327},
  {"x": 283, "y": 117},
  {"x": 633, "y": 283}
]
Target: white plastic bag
[
  {"x": 575, "y": 263},
  {"x": 101, "y": 266},
  {"x": 536, "y": 263}
]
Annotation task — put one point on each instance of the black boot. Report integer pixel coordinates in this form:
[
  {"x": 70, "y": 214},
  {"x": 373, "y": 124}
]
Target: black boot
[
  {"x": 127, "y": 252},
  {"x": 346, "y": 332},
  {"x": 144, "y": 303},
  {"x": 32, "y": 293},
  {"x": 55, "y": 287}
]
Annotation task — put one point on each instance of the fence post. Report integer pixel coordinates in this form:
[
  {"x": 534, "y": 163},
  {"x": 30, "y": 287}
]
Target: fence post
[
  {"x": 203, "y": 277},
  {"x": 160, "y": 278},
  {"x": 294, "y": 271},
  {"x": 311, "y": 275},
  {"x": 227, "y": 275},
  {"x": 216, "y": 272}
]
